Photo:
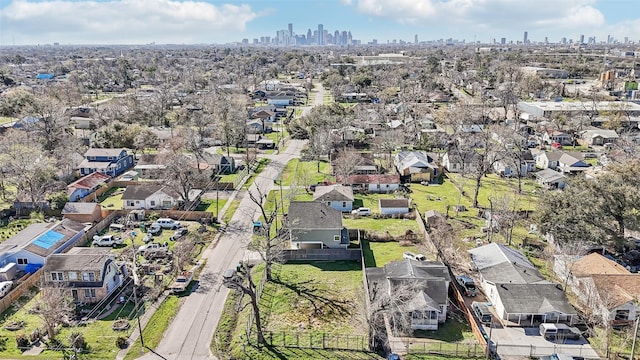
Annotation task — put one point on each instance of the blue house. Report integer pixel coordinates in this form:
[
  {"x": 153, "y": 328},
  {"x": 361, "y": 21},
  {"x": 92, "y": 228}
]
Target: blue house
[
  {"x": 30, "y": 247},
  {"x": 112, "y": 162}
]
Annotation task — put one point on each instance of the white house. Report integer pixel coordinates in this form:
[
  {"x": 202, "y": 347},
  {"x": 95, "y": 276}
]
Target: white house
[
  {"x": 154, "y": 197},
  {"x": 394, "y": 206}
]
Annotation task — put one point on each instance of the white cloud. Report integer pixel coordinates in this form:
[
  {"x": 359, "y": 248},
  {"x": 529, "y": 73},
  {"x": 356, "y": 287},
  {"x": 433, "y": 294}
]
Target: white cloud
[
  {"x": 121, "y": 21},
  {"x": 542, "y": 15}
]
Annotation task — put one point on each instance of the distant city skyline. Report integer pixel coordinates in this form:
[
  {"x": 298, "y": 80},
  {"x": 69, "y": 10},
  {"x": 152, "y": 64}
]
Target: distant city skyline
[{"x": 30, "y": 22}]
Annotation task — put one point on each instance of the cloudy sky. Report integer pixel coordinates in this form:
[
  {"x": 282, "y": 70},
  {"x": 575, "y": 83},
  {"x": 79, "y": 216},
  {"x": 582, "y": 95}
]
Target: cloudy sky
[{"x": 26, "y": 22}]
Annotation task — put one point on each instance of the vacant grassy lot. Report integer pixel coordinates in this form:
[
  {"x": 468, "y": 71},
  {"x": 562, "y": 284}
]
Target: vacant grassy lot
[
  {"x": 305, "y": 173},
  {"x": 378, "y": 254},
  {"x": 393, "y": 227}
]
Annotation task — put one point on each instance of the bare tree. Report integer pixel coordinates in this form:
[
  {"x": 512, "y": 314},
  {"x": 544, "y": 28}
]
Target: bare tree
[
  {"x": 270, "y": 241},
  {"x": 243, "y": 281},
  {"x": 183, "y": 253},
  {"x": 346, "y": 162},
  {"x": 53, "y": 306}
]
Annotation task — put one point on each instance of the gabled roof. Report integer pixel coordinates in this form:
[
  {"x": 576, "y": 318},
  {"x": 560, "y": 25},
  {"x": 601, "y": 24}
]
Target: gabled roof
[
  {"x": 313, "y": 215},
  {"x": 604, "y": 133},
  {"x": 369, "y": 179},
  {"x": 419, "y": 159},
  {"x": 549, "y": 175},
  {"x": 103, "y": 152},
  {"x": 534, "y": 299},
  {"x": 80, "y": 259},
  {"x": 142, "y": 192},
  {"x": 79, "y": 208},
  {"x": 430, "y": 277},
  {"x": 333, "y": 193},
  {"x": 615, "y": 290},
  {"x": 89, "y": 181},
  {"x": 492, "y": 254},
  {"x": 394, "y": 203},
  {"x": 596, "y": 264}
]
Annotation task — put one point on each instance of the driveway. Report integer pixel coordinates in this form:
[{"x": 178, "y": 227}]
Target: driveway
[{"x": 190, "y": 333}]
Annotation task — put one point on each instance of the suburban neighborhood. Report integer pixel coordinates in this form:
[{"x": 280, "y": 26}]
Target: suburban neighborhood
[{"x": 201, "y": 202}]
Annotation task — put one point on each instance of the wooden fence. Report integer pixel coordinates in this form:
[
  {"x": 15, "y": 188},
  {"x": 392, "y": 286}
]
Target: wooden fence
[
  {"x": 322, "y": 254},
  {"x": 454, "y": 350},
  {"x": 309, "y": 340},
  {"x": 23, "y": 286}
]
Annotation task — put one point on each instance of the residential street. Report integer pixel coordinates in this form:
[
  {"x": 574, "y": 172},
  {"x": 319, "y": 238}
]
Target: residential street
[{"x": 189, "y": 335}]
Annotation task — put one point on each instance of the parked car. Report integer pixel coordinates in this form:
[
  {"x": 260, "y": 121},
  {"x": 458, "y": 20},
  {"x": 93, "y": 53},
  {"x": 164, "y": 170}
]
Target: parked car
[
  {"x": 5, "y": 288},
  {"x": 152, "y": 246},
  {"x": 412, "y": 256},
  {"x": 467, "y": 285},
  {"x": 167, "y": 223},
  {"x": 147, "y": 238},
  {"x": 154, "y": 229},
  {"x": 107, "y": 240},
  {"x": 180, "y": 232},
  {"x": 559, "y": 332},
  {"x": 482, "y": 312},
  {"x": 363, "y": 211}
]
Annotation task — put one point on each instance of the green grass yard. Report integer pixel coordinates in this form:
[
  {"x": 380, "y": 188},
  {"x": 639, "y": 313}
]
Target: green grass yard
[{"x": 378, "y": 254}]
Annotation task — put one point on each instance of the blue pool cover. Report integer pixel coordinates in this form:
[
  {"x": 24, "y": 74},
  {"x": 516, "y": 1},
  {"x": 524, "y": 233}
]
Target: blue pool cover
[{"x": 48, "y": 239}]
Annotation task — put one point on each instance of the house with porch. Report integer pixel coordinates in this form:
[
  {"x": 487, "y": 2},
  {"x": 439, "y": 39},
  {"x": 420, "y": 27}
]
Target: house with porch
[
  {"x": 315, "y": 225},
  {"x": 427, "y": 283},
  {"x": 112, "y": 162},
  {"x": 598, "y": 137},
  {"x": 88, "y": 275},
  {"x": 520, "y": 294},
  {"x": 609, "y": 290},
  {"x": 155, "y": 197}
]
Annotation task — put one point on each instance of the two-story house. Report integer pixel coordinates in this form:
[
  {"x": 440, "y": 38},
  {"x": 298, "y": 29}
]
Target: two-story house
[
  {"x": 112, "y": 162},
  {"x": 315, "y": 225},
  {"x": 88, "y": 274}
]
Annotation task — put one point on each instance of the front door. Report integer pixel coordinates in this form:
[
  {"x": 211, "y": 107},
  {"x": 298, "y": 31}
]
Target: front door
[{"x": 74, "y": 293}]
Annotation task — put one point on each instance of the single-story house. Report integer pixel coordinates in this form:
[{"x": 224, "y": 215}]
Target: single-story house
[
  {"x": 608, "y": 289},
  {"x": 259, "y": 126},
  {"x": 550, "y": 179},
  {"x": 456, "y": 162},
  {"x": 598, "y": 137},
  {"x": 86, "y": 185},
  {"x": 394, "y": 206},
  {"x": 517, "y": 290},
  {"x": 31, "y": 247},
  {"x": 338, "y": 197},
  {"x": 373, "y": 183},
  {"x": 509, "y": 168},
  {"x": 427, "y": 280},
  {"x": 315, "y": 225},
  {"x": 82, "y": 212},
  {"x": 220, "y": 164},
  {"x": 87, "y": 274},
  {"x": 155, "y": 196},
  {"x": 556, "y": 136},
  {"x": 150, "y": 171},
  {"x": 416, "y": 166},
  {"x": 563, "y": 161}
]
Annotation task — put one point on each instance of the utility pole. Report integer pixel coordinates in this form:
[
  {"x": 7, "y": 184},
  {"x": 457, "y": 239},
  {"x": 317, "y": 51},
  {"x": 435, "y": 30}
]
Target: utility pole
[{"x": 635, "y": 338}]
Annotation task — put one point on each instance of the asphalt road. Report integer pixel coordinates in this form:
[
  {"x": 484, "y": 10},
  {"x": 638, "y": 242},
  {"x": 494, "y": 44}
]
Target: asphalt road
[{"x": 190, "y": 333}]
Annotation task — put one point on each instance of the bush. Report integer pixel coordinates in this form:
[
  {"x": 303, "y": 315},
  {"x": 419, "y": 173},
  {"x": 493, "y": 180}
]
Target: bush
[
  {"x": 122, "y": 342},
  {"x": 77, "y": 341},
  {"x": 22, "y": 341}
]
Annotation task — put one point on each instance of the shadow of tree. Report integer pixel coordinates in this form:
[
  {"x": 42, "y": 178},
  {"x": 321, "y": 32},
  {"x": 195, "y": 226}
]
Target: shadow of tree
[{"x": 325, "y": 302}]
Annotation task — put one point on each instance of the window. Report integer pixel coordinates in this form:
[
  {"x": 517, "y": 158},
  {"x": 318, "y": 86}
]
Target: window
[
  {"x": 622, "y": 314},
  {"x": 344, "y": 204},
  {"x": 22, "y": 261},
  {"x": 166, "y": 204},
  {"x": 89, "y": 293},
  {"x": 88, "y": 277},
  {"x": 131, "y": 203},
  {"x": 72, "y": 275},
  {"x": 152, "y": 202},
  {"x": 57, "y": 276},
  {"x": 336, "y": 237}
]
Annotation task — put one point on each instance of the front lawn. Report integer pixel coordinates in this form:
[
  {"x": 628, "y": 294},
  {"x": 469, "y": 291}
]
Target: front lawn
[{"x": 305, "y": 173}]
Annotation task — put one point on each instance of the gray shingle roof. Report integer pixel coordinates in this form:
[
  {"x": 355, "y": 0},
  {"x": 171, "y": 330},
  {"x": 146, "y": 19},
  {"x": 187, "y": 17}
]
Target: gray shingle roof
[
  {"x": 534, "y": 299},
  {"x": 333, "y": 193},
  {"x": 141, "y": 192},
  {"x": 313, "y": 215},
  {"x": 81, "y": 259},
  {"x": 79, "y": 208}
]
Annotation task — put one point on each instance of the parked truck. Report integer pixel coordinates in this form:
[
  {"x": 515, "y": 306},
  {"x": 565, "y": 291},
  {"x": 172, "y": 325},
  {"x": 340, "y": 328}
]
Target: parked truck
[{"x": 182, "y": 282}]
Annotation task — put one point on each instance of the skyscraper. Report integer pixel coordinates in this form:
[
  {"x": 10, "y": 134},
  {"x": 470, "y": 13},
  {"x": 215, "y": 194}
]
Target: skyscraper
[
  {"x": 525, "y": 40},
  {"x": 503, "y": 41},
  {"x": 309, "y": 36},
  {"x": 320, "y": 39},
  {"x": 290, "y": 30}
]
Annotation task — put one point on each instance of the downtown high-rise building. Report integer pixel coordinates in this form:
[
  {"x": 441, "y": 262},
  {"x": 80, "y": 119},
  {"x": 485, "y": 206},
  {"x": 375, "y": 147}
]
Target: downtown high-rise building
[
  {"x": 525, "y": 39},
  {"x": 320, "y": 39}
]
